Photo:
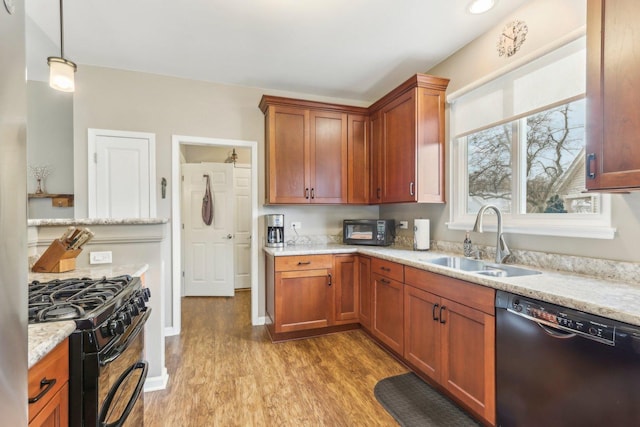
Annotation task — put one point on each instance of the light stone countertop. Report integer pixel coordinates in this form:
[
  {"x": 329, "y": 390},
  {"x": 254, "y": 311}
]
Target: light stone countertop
[
  {"x": 618, "y": 300},
  {"x": 44, "y": 337},
  {"x": 95, "y": 221}
]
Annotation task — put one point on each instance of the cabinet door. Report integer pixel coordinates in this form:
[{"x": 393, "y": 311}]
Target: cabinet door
[
  {"x": 358, "y": 159},
  {"x": 613, "y": 81},
  {"x": 346, "y": 287},
  {"x": 375, "y": 190},
  {"x": 56, "y": 412},
  {"x": 388, "y": 312},
  {"x": 365, "y": 294},
  {"x": 430, "y": 146},
  {"x": 468, "y": 357},
  {"x": 328, "y": 157},
  {"x": 422, "y": 331},
  {"x": 287, "y": 155},
  {"x": 303, "y": 300},
  {"x": 399, "y": 149}
]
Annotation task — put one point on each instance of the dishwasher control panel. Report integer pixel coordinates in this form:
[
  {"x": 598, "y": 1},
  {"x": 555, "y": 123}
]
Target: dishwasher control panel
[{"x": 565, "y": 319}]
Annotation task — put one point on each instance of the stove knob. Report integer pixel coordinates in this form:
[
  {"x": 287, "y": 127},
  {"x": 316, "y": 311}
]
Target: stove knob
[
  {"x": 125, "y": 317},
  {"x": 116, "y": 327},
  {"x": 133, "y": 309},
  {"x": 146, "y": 293},
  {"x": 139, "y": 302}
]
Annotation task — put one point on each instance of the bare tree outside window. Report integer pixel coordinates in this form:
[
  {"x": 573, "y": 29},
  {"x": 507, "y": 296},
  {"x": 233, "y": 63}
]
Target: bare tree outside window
[{"x": 553, "y": 166}]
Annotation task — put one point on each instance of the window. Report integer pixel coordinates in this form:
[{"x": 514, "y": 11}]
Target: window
[{"x": 518, "y": 143}]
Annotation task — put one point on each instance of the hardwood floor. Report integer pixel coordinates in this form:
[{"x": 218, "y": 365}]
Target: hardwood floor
[{"x": 225, "y": 372}]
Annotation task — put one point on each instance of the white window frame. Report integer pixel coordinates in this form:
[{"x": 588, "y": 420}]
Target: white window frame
[{"x": 566, "y": 225}]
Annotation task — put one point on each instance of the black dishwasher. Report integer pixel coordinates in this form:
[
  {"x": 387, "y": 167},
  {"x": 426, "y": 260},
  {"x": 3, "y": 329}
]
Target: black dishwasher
[{"x": 561, "y": 367}]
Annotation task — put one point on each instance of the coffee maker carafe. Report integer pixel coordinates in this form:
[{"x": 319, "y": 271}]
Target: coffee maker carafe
[{"x": 275, "y": 230}]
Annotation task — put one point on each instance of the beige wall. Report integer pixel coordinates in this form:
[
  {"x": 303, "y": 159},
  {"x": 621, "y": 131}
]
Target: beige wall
[
  {"x": 132, "y": 101},
  {"x": 548, "y": 21}
]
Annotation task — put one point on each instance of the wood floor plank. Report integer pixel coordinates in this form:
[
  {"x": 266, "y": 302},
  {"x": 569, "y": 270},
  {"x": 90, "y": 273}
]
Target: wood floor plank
[{"x": 225, "y": 372}]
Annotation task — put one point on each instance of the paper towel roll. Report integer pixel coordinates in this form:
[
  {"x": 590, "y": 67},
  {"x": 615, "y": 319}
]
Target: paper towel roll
[{"x": 421, "y": 234}]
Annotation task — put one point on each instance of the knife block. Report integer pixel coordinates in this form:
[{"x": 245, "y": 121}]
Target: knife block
[{"x": 56, "y": 259}]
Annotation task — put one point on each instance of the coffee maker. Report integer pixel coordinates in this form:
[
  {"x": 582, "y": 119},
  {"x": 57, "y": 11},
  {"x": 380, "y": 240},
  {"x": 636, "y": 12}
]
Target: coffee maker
[{"x": 275, "y": 230}]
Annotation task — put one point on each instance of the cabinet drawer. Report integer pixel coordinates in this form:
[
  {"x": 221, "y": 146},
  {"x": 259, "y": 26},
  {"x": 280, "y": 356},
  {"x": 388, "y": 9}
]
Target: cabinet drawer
[
  {"x": 469, "y": 294},
  {"x": 389, "y": 269},
  {"x": 303, "y": 262},
  {"x": 54, "y": 365}
]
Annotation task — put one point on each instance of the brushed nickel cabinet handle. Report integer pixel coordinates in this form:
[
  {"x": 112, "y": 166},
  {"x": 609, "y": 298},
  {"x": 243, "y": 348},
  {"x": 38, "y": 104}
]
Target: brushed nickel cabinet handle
[{"x": 591, "y": 159}]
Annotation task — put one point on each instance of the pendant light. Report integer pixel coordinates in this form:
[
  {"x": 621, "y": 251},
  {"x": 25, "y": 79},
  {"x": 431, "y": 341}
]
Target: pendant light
[{"x": 61, "y": 71}]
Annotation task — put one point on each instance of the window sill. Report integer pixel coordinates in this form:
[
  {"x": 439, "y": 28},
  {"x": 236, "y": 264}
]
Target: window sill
[{"x": 590, "y": 231}]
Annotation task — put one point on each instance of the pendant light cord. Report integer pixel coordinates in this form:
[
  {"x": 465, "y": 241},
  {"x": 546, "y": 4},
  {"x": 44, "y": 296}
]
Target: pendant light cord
[{"x": 61, "y": 31}]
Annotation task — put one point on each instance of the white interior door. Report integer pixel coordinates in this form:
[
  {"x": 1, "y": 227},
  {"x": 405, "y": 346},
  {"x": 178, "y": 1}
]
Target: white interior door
[
  {"x": 242, "y": 232},
  {"x": 208, "y": 249},
  {"x": 121, "y": 174}
]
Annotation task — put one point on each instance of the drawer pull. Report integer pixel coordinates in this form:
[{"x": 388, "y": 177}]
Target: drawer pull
[
  {"x": 385, "y": 281},
  {"x": 433, "y": 312},
  {"x": 385, "y": 269},
  {"x": 304, "y": 262},
  {"x": 47, "y": 385}
]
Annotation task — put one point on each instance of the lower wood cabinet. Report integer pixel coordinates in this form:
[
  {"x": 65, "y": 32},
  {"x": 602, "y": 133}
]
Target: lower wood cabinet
[
  {"x": 311, "y": 293},
  {"x": 365, "y": 294},
  {"x": 388, "y": 303},
  {"x": 449, "y": 328},
  {"x": 48, "y": 385}
]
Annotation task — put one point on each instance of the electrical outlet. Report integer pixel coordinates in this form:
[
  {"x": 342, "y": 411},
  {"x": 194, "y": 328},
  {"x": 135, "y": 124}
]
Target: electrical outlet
[
  {"x": 100, "y": 257},
  {"x": 296, "y": 225},
  {"x": 404, "y": 224}
]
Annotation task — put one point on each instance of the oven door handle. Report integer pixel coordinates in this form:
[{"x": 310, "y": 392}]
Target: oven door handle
[
  {"x": 104, "y": 412},
  {"x": 117, "y": 351}
]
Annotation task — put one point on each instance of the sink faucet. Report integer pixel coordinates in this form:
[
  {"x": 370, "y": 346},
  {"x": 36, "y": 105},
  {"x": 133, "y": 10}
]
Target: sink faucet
[{"x": 502, "y": 251}]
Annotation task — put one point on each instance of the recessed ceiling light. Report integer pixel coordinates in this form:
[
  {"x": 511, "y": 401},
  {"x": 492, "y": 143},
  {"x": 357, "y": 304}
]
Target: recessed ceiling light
[{"x": 481, "y": 6}]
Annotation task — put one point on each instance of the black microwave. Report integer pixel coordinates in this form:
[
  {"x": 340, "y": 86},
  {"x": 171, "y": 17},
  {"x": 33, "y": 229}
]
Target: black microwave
[{"x": 373, "y": 232}]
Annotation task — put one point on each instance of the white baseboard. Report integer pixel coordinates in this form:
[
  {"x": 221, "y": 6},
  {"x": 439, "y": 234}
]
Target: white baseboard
[
  {"x": 170, "y": 331},
  {"x": 260, "y": 321},
  {"x": 157, "y": 383}
]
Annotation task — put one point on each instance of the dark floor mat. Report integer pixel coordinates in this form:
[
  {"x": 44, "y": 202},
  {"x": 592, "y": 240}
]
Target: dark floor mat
[{"x": 412, "y": 402}]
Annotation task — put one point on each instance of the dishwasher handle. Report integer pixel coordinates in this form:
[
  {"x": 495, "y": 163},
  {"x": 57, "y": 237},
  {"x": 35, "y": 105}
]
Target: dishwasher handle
[{"x": 548, "y": 329}]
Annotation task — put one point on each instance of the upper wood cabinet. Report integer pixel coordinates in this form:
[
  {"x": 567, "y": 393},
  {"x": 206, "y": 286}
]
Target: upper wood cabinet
[
  {"x": 613, "y": 81},
  {"x": 307, "y": 151},
  {"x": 358, "y": 159},
  {"x": 408, "y": 139}
]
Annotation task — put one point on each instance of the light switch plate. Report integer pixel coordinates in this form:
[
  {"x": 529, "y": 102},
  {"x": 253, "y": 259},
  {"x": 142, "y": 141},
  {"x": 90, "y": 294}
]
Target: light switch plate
[
  {"x": 100, "y": 257},
  {"x": 404, "y": 224}
]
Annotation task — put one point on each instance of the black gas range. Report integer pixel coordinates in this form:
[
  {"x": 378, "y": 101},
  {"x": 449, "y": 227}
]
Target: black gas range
[{"x": 107, "y": 367}]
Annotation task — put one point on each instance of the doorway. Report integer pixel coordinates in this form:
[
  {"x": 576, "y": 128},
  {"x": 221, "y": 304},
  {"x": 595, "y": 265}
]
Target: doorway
[{"x": 179, "y": 141}]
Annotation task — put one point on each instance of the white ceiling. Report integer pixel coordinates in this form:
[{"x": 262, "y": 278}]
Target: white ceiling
[{"x": 350, "y": 49}]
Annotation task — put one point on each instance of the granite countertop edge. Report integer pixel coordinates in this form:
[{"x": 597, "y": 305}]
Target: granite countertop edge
[
  {"x": 44, "y": 337},
  {"x": 611, "y": 299},
  {"x": 95, "y": 221}
]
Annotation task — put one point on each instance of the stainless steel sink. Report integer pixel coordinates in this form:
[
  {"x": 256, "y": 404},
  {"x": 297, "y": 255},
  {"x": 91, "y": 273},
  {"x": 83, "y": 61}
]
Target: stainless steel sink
[{"x": 481, "y": 267}]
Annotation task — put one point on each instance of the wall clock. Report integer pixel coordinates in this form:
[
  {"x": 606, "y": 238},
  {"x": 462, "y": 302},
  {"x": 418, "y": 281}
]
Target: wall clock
[
  {"x": 10, "y": 6},
  {"x": 512, "y": 36}
]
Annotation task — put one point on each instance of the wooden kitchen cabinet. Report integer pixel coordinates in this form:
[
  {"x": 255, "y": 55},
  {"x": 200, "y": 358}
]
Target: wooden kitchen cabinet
[
  {"x": 375, "y": 179},
  {"x": 48, "y": 381},
  {"x": 311, "y": 295},
  {"x": 388, "y": 303},
  {"x": 613, "y": 108},
  {"x": 409, "y": 141},
  {"x": 365, "y": 294},
  {"x": 449, "y": 328},
  {"x": 358, "y": 159},
  {"x": 307, "y": 151},
  {"x": 346, "y": 288}
]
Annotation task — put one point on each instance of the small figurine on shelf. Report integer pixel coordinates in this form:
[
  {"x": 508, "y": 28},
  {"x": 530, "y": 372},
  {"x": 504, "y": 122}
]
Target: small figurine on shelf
[{"x": 40, "y": 173}]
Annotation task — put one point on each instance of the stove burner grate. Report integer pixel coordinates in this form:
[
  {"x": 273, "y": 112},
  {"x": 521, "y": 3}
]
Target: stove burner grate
[{"x": 62, "y": 311}]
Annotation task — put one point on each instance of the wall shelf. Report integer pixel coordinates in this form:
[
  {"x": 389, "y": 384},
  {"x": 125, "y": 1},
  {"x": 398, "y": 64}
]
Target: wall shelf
[{"x": 57, "y": 200}]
